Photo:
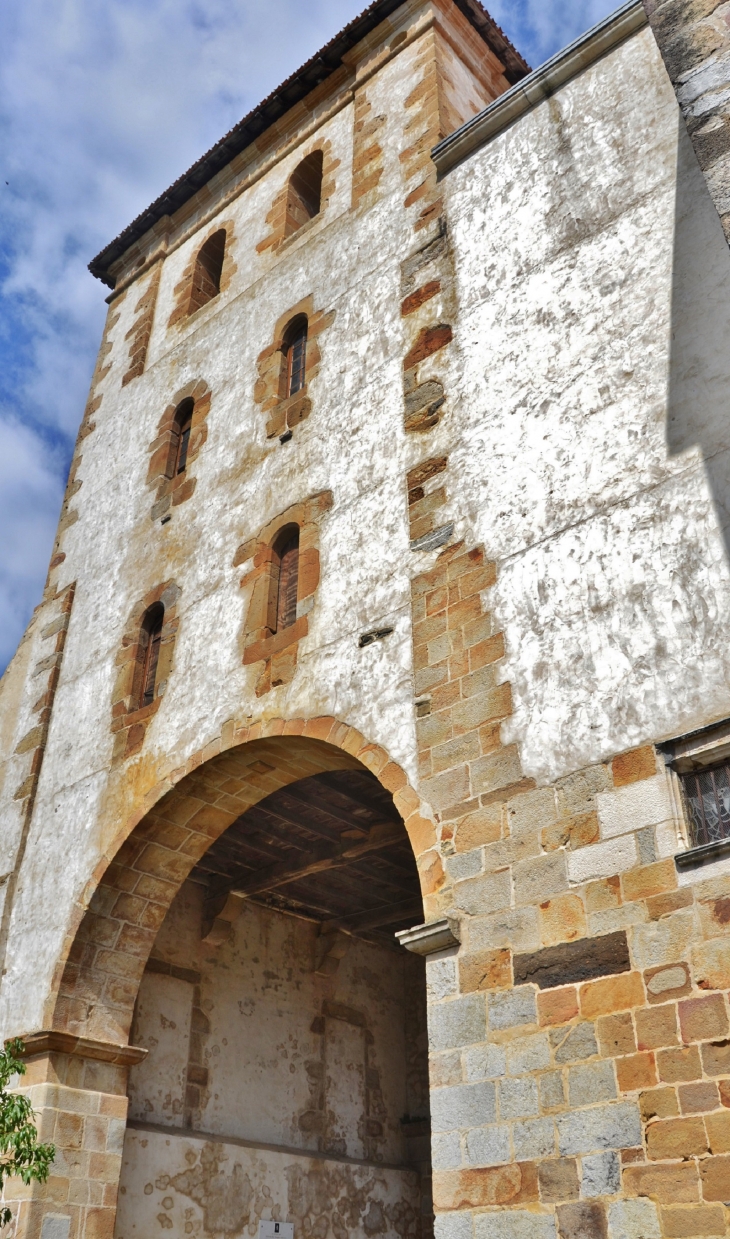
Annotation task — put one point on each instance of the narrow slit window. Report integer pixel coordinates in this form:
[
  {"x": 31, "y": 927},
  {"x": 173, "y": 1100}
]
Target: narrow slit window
[
  {"x": 296, "y": 358},
  {"x": 183, "y": 422},
  {"x": 286, "y": 607},
  {"x": 152, "y": 637},
  {"x": 707, "y": 796},
  {"x": 304, "y": 195},
  {"x": 207, "y": 271}
]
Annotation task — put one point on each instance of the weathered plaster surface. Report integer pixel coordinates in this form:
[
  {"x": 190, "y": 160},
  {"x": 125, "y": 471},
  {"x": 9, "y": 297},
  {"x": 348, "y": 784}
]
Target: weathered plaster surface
[
  {"x": 612, "y": 571},
  {"x": 194, "y": 1187},
  {"x": 579, "y": 355},
  {"x": 580, "y": 296},
  {"x": 267, "y": 1065},
  {"x": 285, "y": 1078}
]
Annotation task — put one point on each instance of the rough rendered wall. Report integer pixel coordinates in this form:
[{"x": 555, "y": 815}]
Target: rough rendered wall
[
  {"x": 211, "y": 1188},
  {"x": 352, "y": 444},
  {"x": 250, "y": 1046},
  {"x": 258, "y": 997},
  {"x": 591, "y": 449}
]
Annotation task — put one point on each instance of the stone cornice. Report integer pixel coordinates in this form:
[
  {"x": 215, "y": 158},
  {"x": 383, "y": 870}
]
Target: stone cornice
[
  {"x": 539, "y": 85},
  {"x": 428, "y": 939},
  {"x": 51, "y": 1042}
]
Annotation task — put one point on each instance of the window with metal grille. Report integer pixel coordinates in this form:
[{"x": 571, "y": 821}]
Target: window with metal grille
[
  {"x": 183, "y": 425},
  {"x": 296, "y": 356},
  {"x": 151, "y": 638},
  {"x": 286, "y": 606},
  {"x": 707, "y": 796}
]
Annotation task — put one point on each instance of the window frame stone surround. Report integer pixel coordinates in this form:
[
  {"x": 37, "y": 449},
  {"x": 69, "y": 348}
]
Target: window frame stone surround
[
  {"x": 278, "y": 214},
  {"x": 278, "y": 650},
  {"x": 172, "y": 489},
  {"x": 129, "y": 721},
  {"x": 285, "y": 412},
  {"x": 183, "y": 290}
]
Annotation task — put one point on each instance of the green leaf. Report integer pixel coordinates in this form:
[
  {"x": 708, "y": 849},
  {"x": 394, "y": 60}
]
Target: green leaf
[{"x": 20, "y": 1153}]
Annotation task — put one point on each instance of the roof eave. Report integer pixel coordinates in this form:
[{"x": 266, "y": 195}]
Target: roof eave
[{"x": 322, "y": 65}]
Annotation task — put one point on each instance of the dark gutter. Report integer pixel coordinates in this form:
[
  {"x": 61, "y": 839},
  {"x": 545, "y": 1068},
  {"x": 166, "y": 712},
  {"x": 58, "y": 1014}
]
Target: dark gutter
[{"x": 540, "y": 85}]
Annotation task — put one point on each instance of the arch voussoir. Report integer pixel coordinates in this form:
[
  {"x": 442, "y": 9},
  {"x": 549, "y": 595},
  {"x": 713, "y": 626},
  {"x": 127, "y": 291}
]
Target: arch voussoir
[{"x": 169, "y": 834}]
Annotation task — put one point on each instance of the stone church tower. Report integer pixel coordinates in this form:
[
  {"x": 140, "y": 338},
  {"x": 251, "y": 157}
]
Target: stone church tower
[{"x": 365, "y": 772}]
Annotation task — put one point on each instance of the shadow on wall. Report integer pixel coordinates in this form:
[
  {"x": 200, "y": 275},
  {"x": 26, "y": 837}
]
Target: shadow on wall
[{"x": 698, "y": 412}]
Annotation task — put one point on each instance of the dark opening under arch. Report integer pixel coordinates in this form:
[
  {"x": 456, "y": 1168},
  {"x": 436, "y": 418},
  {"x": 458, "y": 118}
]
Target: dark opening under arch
[
  {"x": 295, "y": 356},
  {"x": 181, "y": 440}
]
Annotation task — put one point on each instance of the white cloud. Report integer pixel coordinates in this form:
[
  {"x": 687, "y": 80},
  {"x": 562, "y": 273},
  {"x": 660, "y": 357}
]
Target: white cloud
[{"x": 102, "y": 104}]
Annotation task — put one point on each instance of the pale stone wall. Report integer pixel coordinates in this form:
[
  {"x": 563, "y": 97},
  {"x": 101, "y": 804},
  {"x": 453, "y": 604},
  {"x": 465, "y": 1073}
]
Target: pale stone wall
[
  {"x": 576, "y": 315},
  {"x": 555, "y": 313}
]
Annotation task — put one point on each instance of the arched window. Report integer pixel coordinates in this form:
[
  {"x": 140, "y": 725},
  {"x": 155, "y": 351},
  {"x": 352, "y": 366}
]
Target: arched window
[
  {"x": 207, "y": 273},
  {"x": 150, "y": 639},
  {"x": 181, "y": 435},
  {"x": 295, "y": 356},
  {"x": 287, "y": 551},
  {"x": 304, "y": 197}
]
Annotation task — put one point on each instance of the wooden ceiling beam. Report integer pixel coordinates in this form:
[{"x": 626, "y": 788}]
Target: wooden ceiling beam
[
  {"x": 406, "y": 910},
  {"x": 288, "y": 819},
  {"x": 359, "y": 796},
  {"x": 339, "y": 815},
  {"x": 317, "y": 860}
]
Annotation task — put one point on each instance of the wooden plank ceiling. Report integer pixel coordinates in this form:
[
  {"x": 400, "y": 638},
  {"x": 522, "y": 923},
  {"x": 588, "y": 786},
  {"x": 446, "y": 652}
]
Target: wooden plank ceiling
[{"x": 332, "y": 848}]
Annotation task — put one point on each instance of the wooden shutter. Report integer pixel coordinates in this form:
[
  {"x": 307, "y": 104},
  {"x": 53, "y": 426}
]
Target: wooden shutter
[
  {"x": 152, "y": 655},
  {"x": 182, "y": 449},
  {"x": 286, "y": 610},
  {"x": 297, "y": 362}
]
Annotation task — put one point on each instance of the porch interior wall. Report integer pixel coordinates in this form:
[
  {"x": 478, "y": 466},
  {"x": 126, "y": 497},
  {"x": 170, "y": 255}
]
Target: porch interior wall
[{"x": 253, "y": 1057}]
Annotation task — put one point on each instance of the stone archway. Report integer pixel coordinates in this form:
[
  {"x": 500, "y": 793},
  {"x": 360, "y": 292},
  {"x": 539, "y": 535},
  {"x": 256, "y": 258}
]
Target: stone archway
[
  {"x": 286, "y": 1075},
  {"x": 106, "y": 956},
  {"x": 84, "y": 1055}
]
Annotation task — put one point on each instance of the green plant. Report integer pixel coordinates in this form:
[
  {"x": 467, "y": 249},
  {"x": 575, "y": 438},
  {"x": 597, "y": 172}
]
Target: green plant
[{"x": 20, "y": 1152}]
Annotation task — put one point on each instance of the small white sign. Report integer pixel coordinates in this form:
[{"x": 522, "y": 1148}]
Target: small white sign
[{"x": 276, "y": 1230}]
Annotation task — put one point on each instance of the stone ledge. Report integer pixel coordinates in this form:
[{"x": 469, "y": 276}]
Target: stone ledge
[
  {"x": 540, "y": 85},
  {"x": 694, "y": 857},
  {"x": 428, "y": 939},
  {"x": 433, "y": 540},
  {"x": 53, "y": 1042}
]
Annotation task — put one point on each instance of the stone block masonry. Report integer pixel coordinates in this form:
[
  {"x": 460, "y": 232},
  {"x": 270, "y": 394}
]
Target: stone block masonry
[
  {"x": 141, "y": 330},
  {"x": 579, "y": 1047},
  {"x": 460, "y": 701},
  {"x": 78, "y": 1094},
  {"x": 578, "y": 1042}
]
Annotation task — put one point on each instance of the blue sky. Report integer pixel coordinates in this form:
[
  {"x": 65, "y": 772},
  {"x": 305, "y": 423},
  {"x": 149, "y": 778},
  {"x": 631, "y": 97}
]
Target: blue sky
[{"x": 103, "y": 103}]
